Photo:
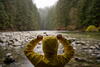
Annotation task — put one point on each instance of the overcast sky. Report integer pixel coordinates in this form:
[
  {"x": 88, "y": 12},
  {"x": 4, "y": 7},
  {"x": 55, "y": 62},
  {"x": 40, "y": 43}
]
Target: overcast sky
[{"x": 44, "y": 3}]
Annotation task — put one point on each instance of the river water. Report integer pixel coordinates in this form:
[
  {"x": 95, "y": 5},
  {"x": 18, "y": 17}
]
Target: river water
[{"x": 86, "y": 45}]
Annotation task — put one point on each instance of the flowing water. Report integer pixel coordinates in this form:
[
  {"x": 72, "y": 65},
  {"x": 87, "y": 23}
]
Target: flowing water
[{"x": 86, "y": 45}]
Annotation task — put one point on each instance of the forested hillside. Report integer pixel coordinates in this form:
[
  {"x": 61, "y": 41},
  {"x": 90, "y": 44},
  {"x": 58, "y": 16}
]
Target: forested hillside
[
  {"x": 64, "y": 15},
  {"x": 18, "y": 15},
  {"x": 74, "y": 14}
]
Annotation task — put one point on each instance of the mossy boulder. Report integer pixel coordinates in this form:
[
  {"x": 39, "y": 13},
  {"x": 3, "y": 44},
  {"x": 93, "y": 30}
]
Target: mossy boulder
[{"x": 92, "y": 28}]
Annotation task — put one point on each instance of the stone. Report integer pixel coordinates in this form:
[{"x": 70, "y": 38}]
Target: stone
[
  {"x": 16, "y": 39},
  {"x": 97, "y": 52},
  {"x": 92, "y": 47},
  {"x": 85, "y": 48},
  {"x": 98, "y": 61},
  {"x": 97, "y": 47},
  {"x": 1, "y": 41},
  {"x": 9, "y": 59},
  {"x": 80, "y": 59},
  {"x": 72, "y": 39},
  {"x": 2, "y": 44},
  {"x": 90, "y": 51},
  {"x": 98, "y": 57},
  {"x": 17, "y": 44},
  {"x": 80, "y": 42}
]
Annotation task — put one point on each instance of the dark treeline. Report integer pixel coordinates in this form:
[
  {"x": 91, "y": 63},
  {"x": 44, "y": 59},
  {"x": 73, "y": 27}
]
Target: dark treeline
[
  {"x": 18, "y": 15},
  {"x": 74, "y": 14}
]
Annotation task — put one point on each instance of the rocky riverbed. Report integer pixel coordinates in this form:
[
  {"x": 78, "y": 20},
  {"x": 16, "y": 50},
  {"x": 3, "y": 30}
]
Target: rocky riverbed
[{"x": 87, "y": 48}]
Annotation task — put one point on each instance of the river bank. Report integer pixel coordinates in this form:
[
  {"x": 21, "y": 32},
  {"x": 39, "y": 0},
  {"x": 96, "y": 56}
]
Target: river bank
[{"x": 86, "y": 45}]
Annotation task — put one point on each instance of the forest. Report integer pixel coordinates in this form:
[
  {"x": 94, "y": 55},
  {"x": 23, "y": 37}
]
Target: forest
[
  {"x": 23, "y": 15},
  {"x": 74, "y": 14},
  {"x": 18, "y": 15}
]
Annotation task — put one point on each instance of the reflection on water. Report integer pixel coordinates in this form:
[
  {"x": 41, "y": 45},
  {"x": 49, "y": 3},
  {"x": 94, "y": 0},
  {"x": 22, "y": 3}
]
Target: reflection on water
[{"x": 87, "y": 46}]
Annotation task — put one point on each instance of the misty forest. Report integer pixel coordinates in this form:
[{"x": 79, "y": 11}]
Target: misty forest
[{"x": 77, "y": 20}]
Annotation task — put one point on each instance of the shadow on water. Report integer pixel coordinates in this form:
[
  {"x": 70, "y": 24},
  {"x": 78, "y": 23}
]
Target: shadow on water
[{"x": 86, "y": 45}]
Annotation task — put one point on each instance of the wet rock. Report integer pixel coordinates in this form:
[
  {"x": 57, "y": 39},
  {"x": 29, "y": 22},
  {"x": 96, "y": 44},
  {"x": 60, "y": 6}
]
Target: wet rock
[
  {"x": 8, "y": 60},
  {"x": 98, "y": 48},
  {"x": 2, "y": 44},
  {"x": 92, "y": 47},
  {"x": 1, "y": 41},
  {"x": 98, "y": 61},
  {"x": 10, "y": 42},
  {"x": 16, "y": 39},
  {"x": 80, "y": 42},
  {"x": 72, "y": 39},
  {"x": 90, "y": 51},
  {"x": 80, "y": 59},
  {"x": 98, "y": 57},
  {"x": 96, "y": 52},
  {"x": 31, "y": 37},
  {"x": 17, "y": 47},
  {"x": 85, "y": 47},
  {"x": 17, "y": 44},
  {"x": 11, "y": 46}
]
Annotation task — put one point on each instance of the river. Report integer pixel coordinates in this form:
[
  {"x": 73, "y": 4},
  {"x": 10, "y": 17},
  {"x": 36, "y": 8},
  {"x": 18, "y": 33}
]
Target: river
[{"x": 86, "y": 45}]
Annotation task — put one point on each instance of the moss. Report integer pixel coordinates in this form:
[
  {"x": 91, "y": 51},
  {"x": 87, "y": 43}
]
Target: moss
[{"x": 92, "y": 28}]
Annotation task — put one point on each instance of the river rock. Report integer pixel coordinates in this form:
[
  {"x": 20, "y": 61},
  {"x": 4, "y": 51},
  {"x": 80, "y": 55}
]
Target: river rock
[
  {"x": 2, "y": 44},
  {"x": 1, "y": 41},
  {"x": 92, "y": 47},
  {"x": 72, "y": 39},
  {"x": 98, "y": 47},
  {"x": 98, "y": 57},
  {"x": 17, "y": 44},
  {"x": 98, "y": 61},
  {"x": 16, "y": 39},
  {"x": 80, "y": 59},
  {"x": 85, "y": 47},
  {"x": 80, "y": 42},
  {"x": 96, "y": 52}
]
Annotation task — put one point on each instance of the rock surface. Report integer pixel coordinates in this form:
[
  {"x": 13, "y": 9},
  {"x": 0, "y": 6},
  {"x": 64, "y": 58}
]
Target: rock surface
[{"x": 87, "y": 51}]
